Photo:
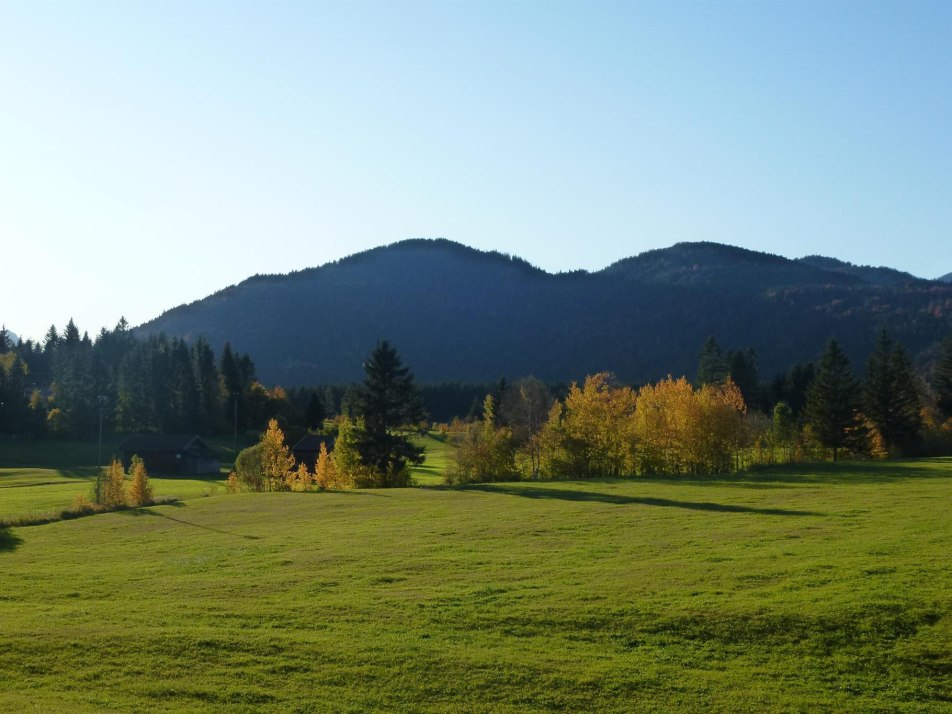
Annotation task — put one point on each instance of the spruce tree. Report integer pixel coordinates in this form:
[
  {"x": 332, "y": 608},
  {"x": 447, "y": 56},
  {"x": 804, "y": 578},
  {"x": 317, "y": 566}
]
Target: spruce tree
[
  {"x": 314, "y": 416},
  {"x": 942, "y": 379},
  {"x": 712, "y": 365},
  {"x": 387, "y": 400},
  {"x": 834, "y": 399},
  {"x": 890, "y": 394}
]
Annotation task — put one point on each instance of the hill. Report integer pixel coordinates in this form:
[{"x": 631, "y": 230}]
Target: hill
[
  {"x": 947, "y": 278},
  {"x": 788, "y": 590},
  {"x": 456, "y": 313}
]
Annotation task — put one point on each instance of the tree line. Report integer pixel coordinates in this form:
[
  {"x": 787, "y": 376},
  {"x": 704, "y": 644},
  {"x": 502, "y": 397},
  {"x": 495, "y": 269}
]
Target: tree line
[
  {"x": 69, "y": 384},
  {"x": 606, "y": 429}
]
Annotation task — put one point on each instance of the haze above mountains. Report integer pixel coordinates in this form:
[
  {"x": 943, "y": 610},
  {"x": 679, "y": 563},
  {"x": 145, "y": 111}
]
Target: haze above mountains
[{"x": 459, "y": 314}]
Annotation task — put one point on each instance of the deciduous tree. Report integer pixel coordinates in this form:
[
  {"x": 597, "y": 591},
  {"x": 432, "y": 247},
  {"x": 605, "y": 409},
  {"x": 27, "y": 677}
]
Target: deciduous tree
[{"x": 140, "y": 490}]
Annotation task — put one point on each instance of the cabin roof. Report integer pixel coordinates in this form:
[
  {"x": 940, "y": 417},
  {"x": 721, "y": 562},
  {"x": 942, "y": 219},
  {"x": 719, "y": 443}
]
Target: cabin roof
[
  {"x": 165, "y": 443},
  {"x": 312, "y": 442}
]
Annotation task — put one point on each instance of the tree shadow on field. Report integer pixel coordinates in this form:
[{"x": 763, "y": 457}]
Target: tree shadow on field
[
  {"x": 151, "y": 512},
  {"x": 828, "y": 472},
  {"x": 8, "y": 540},
  {"x": 574, "y": 495}
]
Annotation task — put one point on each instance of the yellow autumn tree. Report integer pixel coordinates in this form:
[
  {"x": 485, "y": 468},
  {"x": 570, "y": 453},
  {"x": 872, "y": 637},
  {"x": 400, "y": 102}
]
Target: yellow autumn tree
[
  {"x": 598, "y": 427},
  {"x": 140, "y": 490},
  {"x": 301, "y": 479},
  {"x": 348, "y": 470},
  {"x": 485, "y": 452},
  {"x": 665, "y": 423},
  {"x": 276, "y": 460},
  {"x": 114, "y": 486},
  {"x": 721, "y": 432},
  {"x": 324, "y": 473},
  {"x": 683, "y": 430}
]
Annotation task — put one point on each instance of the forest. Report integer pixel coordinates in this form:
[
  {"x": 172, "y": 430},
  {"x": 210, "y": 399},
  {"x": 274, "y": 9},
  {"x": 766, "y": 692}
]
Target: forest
[{"x": 726, "y": 419}]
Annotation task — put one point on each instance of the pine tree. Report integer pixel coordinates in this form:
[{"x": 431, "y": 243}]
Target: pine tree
[
  {"x": 387, "y": 400},
  {"x": 712, "y": 365},
  {"x": 942, "y": 379},
  {"x": 891, "y": 396},
  {"x": 834, "y": 399},
  {"x": 315, "y": 412}
]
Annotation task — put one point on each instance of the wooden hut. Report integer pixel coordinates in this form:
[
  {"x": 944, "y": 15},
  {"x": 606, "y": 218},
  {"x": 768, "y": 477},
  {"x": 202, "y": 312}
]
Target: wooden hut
[
  {"x": 307, "y": 449},
  {"x": 171, "y": 455}
]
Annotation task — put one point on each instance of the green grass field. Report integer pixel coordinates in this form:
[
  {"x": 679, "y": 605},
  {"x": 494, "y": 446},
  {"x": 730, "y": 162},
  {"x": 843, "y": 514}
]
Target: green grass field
[
  {"x": 818, "y": 589},
  {"x": 438, "y": 456}
]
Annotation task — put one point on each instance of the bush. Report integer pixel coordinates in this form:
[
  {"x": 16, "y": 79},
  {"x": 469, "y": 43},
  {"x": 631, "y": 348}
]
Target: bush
[{"x": 249, "y": 468}]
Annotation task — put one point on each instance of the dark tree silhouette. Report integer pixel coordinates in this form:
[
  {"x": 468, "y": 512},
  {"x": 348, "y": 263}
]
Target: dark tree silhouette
[
  {"x": 890, "y": 394},
  {"x": 834, "y": 399},
  {"x": 387, "y": 400}
]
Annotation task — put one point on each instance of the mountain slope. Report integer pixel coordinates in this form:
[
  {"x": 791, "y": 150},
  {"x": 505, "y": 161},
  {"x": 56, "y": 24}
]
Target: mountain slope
[
  {"x": 947, "y": 278},
  {"x": 456, "y": 313},
  {"x": 866, "y": 273}
]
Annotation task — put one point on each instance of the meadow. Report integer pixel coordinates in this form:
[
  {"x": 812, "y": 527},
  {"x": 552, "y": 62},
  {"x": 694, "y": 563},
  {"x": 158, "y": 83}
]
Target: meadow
[{"x": 790, "y": 589}]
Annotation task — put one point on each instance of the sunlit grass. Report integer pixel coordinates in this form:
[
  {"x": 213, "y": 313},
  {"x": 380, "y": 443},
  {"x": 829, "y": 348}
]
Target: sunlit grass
[{"x": 790, "y": 590}]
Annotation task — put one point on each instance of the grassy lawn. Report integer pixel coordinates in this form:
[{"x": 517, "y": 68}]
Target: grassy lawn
[
  {"x": 439, "y": 455},
  {"x": 39, "y": 478},
  {"x": 785, "y": 590}
]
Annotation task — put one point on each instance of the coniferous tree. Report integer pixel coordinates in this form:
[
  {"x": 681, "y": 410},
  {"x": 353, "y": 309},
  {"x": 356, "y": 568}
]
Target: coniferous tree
[
  {"x": 387, "y": 400},
  {"x": 742, "y": 368},
  {"x": 207, "y": 379},
  {"x": 890, "y": 394},
  {"x": 314, "y": 416},
  {"x": 942, "y": 379},
  {"x": 833, "y": 400},
  {"x": 712, "y": 365}
]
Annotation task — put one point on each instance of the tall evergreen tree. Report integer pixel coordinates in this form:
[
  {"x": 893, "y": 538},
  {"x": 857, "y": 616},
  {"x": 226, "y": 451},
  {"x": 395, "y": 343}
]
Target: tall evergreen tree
[
  {"x": 314, "y": 416},
  {"x": 743, "y": 369},
  {"x": 891, "y": 395},
  {"x": 207, "y": 378},
  {"x": 942, "y": 379},
  {"x": 712, "y": 366},
  {"x": 387, "y": 400},
  {"x": 834, "y": 399}
]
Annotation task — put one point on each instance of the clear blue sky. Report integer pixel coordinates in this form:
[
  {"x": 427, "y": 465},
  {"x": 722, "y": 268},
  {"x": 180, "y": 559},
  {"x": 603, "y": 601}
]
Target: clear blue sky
[{"x": 152, "y": 153}]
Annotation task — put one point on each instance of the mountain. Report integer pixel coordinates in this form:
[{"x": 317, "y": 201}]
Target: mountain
[
  {"x": 947, "y": 278},
  {"x": 456, "y": 313},
  {"x": 866, "y": 273}
]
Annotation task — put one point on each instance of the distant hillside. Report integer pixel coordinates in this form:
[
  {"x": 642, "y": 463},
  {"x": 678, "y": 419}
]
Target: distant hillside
[
  {"x": 866, "y": 273},
  {"x": 947, "y": 278},
  {"x": 456, "y": 313}
]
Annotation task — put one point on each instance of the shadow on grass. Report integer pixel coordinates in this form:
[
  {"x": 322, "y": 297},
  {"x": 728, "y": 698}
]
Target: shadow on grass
[
  {"x": 8, "y": 540},
  {"x": 841, "y": 472},
  {"x": 151, "y": 512},
  {"x": 575, "y": 495}
]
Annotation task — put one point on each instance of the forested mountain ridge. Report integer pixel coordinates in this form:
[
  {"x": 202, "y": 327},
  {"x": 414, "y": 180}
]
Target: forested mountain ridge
[{"x": 457, "y": 313}]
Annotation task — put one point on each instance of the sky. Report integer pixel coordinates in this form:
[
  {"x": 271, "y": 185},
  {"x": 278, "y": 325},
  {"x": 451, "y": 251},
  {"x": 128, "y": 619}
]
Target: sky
[{"x": 152, "y": 153}]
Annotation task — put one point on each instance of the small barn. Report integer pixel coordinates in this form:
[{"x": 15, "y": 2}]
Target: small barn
[
  {"x": 307, "y": 449},
  {"x": 171, "y": 455}
]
